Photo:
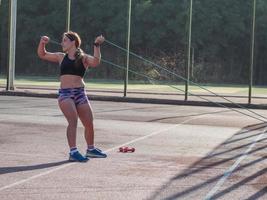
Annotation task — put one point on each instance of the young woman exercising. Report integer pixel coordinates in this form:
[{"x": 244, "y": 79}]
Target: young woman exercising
[{"x": 72, "y": 98}]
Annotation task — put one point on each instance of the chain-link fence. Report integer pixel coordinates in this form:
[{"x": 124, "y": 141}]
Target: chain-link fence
[{"x": 226, "y": 39}]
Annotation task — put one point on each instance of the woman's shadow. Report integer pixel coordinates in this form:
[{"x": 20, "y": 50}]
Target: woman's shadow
[{"x": 7, "y": 170}]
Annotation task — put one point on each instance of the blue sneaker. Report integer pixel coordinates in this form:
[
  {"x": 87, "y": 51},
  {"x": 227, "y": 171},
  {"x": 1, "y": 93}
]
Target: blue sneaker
[
  {"x": 95, "y": 153},
  {"x": 77, "y": 157}
]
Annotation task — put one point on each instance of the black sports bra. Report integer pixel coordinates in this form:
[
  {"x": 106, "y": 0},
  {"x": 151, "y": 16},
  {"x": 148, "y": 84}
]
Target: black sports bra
[{"x": 68, "y": 66}]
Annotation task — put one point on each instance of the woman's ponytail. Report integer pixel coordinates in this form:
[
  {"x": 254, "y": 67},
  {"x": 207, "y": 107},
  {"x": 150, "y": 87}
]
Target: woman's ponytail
[{"x": 78, "y": 56}]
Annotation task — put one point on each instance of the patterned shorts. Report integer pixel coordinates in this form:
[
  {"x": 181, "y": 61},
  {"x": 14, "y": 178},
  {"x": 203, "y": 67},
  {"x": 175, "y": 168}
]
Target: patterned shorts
[{"x": 78, "y": 95}]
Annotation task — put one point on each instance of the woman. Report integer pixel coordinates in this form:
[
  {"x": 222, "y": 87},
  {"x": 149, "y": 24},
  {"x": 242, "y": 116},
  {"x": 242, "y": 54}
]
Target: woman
[{"x": 72, "y": 99}]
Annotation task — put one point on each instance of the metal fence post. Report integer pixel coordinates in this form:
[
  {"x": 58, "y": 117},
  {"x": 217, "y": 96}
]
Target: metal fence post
[
  {"x": 128, "y": 49},
  {"x": 68, "y": 15},
  {"x": 252, "y": 52},
  {"x": 188, "y": 50},
  {"x": 12, "y": 44}
]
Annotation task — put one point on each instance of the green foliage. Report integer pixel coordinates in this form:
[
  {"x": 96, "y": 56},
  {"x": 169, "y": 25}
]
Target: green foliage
[{"x": 221, "y": 36}]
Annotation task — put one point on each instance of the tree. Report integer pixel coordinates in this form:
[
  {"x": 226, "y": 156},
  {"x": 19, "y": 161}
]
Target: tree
[{"x": 221, "y": 35}]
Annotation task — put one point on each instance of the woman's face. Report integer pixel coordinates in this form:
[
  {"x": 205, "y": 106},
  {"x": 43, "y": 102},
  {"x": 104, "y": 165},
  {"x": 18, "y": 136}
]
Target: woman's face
[{"x": 67, "y": 43}]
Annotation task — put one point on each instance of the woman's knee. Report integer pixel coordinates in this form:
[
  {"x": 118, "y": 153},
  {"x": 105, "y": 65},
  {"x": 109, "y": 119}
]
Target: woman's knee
[
  {"x": 88, "y": 124},
  {"x": 73, "y": 123}
]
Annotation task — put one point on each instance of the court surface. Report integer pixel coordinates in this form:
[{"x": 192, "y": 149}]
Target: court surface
[{"x": 182, "y": 152}]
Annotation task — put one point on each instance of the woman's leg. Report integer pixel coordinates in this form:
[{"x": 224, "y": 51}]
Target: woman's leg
[
  {"x": 68, "y": 108},
  {"x": 86, "y": 116}
]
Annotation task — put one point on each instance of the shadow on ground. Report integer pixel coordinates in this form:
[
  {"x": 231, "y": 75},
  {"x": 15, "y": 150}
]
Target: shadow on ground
[
  {"x": 7, "y": 170},
  {"x": 201, "y": 175}
]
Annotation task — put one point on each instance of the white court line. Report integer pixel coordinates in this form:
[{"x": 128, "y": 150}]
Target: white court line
[
  {"x": 230, "y": 170},
  {"x": 111, "y": 149}
]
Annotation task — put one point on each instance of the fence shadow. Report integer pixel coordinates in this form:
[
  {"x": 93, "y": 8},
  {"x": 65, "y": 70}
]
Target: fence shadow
[{"x": 221, "y": 157}]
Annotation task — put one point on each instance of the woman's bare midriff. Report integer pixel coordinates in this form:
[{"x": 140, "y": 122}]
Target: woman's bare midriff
[{"x": 71, "y": 81}]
